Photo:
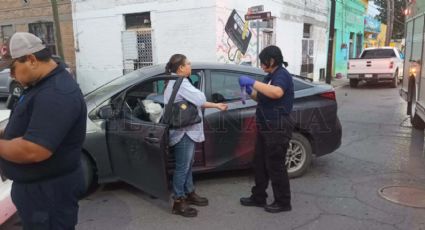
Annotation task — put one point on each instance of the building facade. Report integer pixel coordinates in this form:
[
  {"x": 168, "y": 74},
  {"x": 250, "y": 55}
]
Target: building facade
[
  {"x": 349, "y": 33},
  {"x": 35, "y": 16},
  {"x": 373, "y": 32},
  {"x": 117, "y": 36}
]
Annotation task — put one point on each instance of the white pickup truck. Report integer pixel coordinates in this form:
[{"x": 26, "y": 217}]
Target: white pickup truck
[{"x": 383, "y": 64}]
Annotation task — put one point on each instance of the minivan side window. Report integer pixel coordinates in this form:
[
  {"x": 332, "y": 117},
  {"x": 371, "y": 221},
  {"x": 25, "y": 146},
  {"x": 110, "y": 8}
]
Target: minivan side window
[{"x": 225, "y": 85}]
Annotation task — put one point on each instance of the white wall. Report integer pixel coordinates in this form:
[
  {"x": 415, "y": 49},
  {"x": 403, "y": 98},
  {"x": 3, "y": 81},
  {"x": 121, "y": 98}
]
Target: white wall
[
  {"x": 179, "y": 26},
  {"x": 189, "y": 31},
  {"x": 318, "y": 15},
  {"x": 191, "y": 27},
  {"x": 99, "y": 51},
  {"x": 290, "y": 18}
]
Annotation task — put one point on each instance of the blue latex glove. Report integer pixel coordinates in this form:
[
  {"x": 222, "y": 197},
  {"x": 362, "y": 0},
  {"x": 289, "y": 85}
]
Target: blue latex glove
[
  {"x": 246, "y": 81},
  {"x": 248, "y": 90}
]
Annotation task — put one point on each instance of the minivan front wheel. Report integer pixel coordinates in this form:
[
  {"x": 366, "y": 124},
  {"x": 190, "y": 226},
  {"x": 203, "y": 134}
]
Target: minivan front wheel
[
  {"x": 88, "y": 173},
  {"x": 298, "y": 156}
]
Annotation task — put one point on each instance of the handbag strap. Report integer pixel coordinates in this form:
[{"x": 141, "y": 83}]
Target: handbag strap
[{"x": 167, "y": 112}]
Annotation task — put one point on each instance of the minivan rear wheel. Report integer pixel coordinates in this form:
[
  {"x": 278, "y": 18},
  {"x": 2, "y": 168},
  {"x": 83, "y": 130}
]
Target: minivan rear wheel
[{"x": 298, "y": 156}]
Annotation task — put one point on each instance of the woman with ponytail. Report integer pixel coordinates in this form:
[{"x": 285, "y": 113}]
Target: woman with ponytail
[{"x": 182, "y": 140}]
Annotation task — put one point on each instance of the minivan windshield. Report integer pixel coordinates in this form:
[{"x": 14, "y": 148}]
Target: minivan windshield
[{"x": 115, "y": 84}]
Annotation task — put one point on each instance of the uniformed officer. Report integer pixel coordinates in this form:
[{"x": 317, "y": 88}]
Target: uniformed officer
[
  {"x": 275, "y": 97},
  {"x": 42, "y": 142}
]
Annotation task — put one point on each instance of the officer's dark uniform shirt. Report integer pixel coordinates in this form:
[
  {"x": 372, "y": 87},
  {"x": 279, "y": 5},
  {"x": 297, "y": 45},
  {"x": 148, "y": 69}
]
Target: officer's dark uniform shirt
[
  {"x": 53, "y": 114},
  {"x": 273, "y": 109}
]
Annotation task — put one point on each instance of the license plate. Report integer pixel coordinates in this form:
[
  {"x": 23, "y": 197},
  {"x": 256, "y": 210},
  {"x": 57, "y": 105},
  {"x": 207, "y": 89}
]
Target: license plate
[{"x": 368, "y": 75}]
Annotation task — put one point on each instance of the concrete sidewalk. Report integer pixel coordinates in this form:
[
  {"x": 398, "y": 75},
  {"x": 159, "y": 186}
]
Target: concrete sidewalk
[
  {"x": 4, "y": 114},
  {"x": 337, "y": 83}
]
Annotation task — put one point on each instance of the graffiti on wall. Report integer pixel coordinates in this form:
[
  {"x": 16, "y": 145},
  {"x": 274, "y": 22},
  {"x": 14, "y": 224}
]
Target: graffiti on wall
[{"x": 234, "y": 44}]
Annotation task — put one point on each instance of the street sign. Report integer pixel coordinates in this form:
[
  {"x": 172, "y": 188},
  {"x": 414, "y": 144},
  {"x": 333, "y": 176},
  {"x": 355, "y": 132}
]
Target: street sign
[
  {"x": 260, "y": 24},
  {"x": 257, "y": 16},
  {"x": 256, "y": 9}
]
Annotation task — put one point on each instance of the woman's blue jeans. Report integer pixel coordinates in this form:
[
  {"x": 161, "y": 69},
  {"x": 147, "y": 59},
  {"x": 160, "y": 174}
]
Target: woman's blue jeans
[{"x": 184, "y": 152}]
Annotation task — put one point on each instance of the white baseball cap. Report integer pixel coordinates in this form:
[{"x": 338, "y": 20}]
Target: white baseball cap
[{"x": 19, "y": 45}]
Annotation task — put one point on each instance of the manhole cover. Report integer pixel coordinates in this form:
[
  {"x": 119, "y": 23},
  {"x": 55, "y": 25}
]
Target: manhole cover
[{"x": 404, "y": 195}]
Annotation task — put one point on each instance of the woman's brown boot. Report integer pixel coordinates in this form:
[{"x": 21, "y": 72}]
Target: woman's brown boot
[
  {"x": 181, "y": 207},
  {"x": 195, "y": 199}
]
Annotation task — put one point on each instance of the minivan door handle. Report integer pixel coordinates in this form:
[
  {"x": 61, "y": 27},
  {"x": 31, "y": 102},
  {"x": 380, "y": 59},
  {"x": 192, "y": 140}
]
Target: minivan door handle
[{"x": 152, "y": 140}]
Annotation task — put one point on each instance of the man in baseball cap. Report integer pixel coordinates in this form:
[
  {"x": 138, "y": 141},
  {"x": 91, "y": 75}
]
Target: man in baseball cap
[
  {"x": 41, "y": 145},
  {"x": 20, "y": 47}
]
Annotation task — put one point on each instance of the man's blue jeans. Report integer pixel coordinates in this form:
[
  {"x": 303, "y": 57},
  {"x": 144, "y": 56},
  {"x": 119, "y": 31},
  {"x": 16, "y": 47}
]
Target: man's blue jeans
[{"x": 184, "y": 152}]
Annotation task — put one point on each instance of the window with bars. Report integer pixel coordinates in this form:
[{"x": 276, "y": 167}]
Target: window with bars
[
  {"x": 137, "y": 41},
  {"x": 137, "y": 49},
  {"x": 138, "y": 21},
  {"x": 45, "y": 31},
  {"x": 307, "y": 30},
  {"x": 307, "y": 64},
  {"x": 6, "y": 33},
  {"x": 25, "y": 2}
]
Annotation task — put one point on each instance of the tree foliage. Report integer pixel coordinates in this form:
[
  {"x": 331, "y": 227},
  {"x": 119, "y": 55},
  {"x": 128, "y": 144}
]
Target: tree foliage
[{"x": 399, "y": 6}]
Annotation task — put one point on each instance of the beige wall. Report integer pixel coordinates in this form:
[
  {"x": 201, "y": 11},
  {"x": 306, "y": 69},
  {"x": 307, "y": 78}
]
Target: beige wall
[
  {"x": 381, "y": 36},
  {"x": 13, "y": 12}
]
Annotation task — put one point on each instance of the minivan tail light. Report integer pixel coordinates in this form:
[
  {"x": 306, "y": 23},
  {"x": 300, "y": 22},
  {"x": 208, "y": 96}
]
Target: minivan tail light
[
  {"x": 348, "y": 65},
  {"x": 329, "y": 95},
  {"x": 391, "y": 65}
]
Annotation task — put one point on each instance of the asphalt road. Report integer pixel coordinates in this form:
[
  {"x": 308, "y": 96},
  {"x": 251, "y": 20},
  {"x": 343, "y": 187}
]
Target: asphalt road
[
  {"x": 340, "y": 191},
  {"x": 2, "y": 103}
]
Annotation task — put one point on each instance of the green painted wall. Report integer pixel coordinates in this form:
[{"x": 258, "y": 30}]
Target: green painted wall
[{"x": 349, "y": 20}]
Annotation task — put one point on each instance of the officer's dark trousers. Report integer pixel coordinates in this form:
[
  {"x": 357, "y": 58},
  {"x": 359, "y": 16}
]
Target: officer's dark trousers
[
  {"x": 269, "y": 161},
  {"x": 50, "y": 204}
]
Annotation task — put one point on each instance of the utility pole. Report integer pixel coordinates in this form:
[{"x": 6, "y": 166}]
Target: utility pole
[
  {"x": 331, "y": 43},
  {"x": 390, "y": 21},
  {"x": 57, "y": 28}
]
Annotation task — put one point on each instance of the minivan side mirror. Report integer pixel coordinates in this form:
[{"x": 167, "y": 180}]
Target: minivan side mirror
[
  {"x": 105, "y": 112},
  {"x": 217, "y": 98}
]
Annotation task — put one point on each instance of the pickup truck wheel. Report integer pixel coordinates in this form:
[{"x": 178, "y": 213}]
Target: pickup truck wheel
[
  {"x": 394, "y": 83},
  {"x": 354, "y": 83},
  {"x": 298, "y": 156}
]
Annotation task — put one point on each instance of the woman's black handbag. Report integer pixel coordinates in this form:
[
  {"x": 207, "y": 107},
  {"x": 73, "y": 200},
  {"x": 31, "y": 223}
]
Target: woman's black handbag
[{"x": 183, "y": 113}]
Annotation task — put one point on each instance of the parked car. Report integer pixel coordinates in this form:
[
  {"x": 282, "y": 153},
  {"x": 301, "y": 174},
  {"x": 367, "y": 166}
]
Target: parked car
[
  {"x": 8, "y": 85},
  {"x": 123, "y": 144},
  {"x": 383, "y": 64},
  {"x": 7, "y": 208}
]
